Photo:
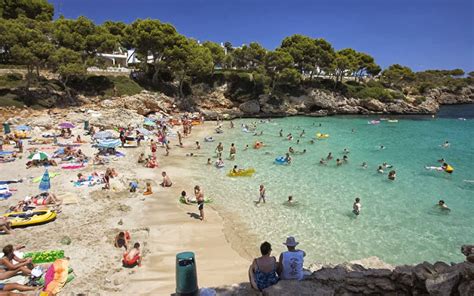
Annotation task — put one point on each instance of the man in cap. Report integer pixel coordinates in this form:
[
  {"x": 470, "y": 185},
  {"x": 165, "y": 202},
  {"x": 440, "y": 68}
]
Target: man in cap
[{"x": 290, "y": 264}]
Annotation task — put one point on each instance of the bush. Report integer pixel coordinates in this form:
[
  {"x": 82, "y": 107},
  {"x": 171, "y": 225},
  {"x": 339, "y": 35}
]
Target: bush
[
  {"x": 379, "y": 93},
  {"x": 14, "y": 77}
]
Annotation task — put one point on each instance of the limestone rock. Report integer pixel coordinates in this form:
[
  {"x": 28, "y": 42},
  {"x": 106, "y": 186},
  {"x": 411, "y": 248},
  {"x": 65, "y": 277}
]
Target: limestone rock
[
  {"x": 443, "y": 284},
  {"x": 250, "y": 107},
  {"x": 373, "y": 105}
]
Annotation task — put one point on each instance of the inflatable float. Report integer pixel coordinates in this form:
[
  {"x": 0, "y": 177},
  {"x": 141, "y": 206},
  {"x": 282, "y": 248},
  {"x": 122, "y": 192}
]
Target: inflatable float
[
  {"x": 209, "y": 139},
  {"x": 374, "y": 122},
  {"x": 242, "y": 173},
  {"x": 322, "y": 136},
  {"x": 220, "y": 166},
  {"x": 258, "y": 145},
  {"x": 20, "y": 219},
  {"x": 392, "y": 120},
  {"x": 281, "y": 160}
]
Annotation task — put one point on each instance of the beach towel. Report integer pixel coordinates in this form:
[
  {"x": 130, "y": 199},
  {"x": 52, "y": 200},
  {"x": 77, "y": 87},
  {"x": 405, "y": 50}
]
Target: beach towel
[
  {"x": 5, "y": 192},
  {"x": 73, "y": 166},
  {"x": 51, "y": 175},
  {"x": 56, "y": 276}
]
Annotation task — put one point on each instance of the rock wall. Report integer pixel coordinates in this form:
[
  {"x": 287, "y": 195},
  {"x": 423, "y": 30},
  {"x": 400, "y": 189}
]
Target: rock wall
[{"x": 374, "y": 277}]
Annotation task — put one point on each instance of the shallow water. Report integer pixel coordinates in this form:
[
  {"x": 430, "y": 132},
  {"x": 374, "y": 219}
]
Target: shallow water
[{"x": 398, "y": 221}]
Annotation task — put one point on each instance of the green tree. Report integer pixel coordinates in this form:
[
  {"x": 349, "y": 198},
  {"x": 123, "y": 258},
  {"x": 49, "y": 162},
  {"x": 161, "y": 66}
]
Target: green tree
[
  {"x": 187, "y": 60},
  {"x": 344, "y": 63},
  {"x": 151, "y": 37},
  {"x": 249, "y": 57},
  {"x": 397, "y": 75},
  {"x": 276, "y": 62},
  {"x": 67, "y": 63},
  {"x": 228, "y": 46},
  {"x": 33, "y": 9},
  {"x": 217, "y": 52}
]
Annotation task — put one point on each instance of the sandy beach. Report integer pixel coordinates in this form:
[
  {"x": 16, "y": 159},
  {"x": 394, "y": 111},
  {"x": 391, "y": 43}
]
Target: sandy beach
[{"x": 91, "y": 217}]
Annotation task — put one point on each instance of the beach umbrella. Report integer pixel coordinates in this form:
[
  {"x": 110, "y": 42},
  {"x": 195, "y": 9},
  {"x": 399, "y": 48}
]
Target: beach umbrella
[
  {"x": 38, "y": 155},
  {"x": 103, "y": 135},
  {"x": 66, "y": 125},
  {"x": 110, "y": 143},
  {"x": 45, "y": 183},
  {"x": 23, "y": 128}
]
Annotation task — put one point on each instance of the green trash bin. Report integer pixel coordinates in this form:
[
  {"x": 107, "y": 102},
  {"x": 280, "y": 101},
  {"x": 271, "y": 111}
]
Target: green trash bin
[
  {"x": 86, "y": 125},
  {"x": 6, "y": 128},
  {"x": 186, "y": 275}
]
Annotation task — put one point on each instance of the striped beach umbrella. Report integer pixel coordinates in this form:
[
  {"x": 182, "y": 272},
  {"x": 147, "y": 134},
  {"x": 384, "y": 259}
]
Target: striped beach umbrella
[
  {"x": 38, "y": 155},
  {"x": 45, "y": 183}
]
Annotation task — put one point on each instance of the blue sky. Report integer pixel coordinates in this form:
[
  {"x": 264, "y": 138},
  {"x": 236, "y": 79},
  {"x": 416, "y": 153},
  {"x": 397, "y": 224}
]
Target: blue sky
[{"x": 422, "y": 34}]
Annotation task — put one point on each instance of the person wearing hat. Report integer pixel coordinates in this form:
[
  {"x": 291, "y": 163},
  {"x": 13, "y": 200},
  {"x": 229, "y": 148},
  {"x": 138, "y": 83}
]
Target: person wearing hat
[{"x": 290, "y": 266}]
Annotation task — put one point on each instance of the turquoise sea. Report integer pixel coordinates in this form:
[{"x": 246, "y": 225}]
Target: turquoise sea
[{"x": 398, "y": 222}]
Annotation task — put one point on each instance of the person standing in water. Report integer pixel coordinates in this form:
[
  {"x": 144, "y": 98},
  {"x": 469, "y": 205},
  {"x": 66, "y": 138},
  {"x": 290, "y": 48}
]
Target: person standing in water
[
  {"x": 232, "y": 151},
  {"x": 261, "y": 194},
  {"x": 219, "y": 150},
  {"x": 356, "y": 206},
  {"x": 442, "y": 205},
  {"x": 281, "y": 133},
  {"x": 200, "y": 201}
]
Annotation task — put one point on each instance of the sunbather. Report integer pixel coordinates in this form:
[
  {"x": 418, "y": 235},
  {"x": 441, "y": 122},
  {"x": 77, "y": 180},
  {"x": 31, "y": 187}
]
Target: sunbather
[
  {"x": 6, "y": 262},
  {"x": 44, "y": 199},
  {"x": 133, "y": 257},
  {"x": 5, "y": 226}
]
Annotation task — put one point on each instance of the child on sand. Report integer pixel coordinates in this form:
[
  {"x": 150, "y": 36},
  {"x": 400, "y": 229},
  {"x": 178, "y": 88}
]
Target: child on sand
[{"x": 148, "y": 190}]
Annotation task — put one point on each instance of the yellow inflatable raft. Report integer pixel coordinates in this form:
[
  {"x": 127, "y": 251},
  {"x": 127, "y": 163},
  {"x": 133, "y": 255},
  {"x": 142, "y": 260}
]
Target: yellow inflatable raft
[
  {"x": 322, "y": 136},
  {"x": 20, "y": 219},
  {"x": 243, "y": 173}
]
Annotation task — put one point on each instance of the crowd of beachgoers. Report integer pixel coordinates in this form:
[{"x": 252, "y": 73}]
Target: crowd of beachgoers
[{"x": 63, "y": 148}]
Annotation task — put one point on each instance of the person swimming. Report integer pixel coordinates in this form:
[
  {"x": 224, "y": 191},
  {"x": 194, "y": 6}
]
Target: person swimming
[
  {"x": 311, "y": 142},
  {"x": 297, "y": 141},
  {"x": 322, "y": 162},
  {"x": 441, "y": 160},
  {"x": 281, "y": 133},
  {"x": 442, "y": 205},
  {"x": 446, "y": 144},
  {"x": 290, "y": 199},
  {"x": 289, "y": 137},
  {"x": 447, "y": 168},
  {"x": 356, "y": 207},
  {"x": 208, "y": 161},
  {"x": 346, "y": 151},
  {"x": 386, "y": 165},
  {"x": 382, "y": 147},
  {"x": 345, "y": 159},
  {"x": 219, "y": 163},
  {"x": 288, "y": 158},
  {"x": 329, "y": 157},
  {"x": 380, "y": 169},
  {"x": 302, "y": 134},
  {"x": 291, "y": 150},
  {"x": 338, "y": 162},
  {"x": 364, "y": 165},
  {"x": 392, "y": 175}
]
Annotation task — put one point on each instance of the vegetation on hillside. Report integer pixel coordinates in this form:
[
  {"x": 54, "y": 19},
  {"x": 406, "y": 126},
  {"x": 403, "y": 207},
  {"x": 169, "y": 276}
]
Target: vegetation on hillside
[{"x": 175, "y": 64}]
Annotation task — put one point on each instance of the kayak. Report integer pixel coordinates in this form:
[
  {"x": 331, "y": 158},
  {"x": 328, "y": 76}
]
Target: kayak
[
  {"x": 243, "y": 173},
  {"x": 392, "y": 120},
  {"x": 206, "y": 200},
  {"x": 19, "y": 219}
]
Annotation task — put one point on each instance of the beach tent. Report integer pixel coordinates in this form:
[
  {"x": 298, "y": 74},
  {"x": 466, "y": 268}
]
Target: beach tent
[
  {"x": 22, "y": 128},
  {"x": 103, "y": 135},
  {"x": 38, "y": 155},
  {"x": 45, "y": 183},
  {"x": 66, "y": 125},
  {"x": 110, "y": 143}
]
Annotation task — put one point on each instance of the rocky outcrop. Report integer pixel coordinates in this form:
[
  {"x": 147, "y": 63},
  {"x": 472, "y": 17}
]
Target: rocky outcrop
[
  {"x": 143, "y": 103},
  {"x": 445, "y": 96},
  {"x": 250, "y": 107},
  {"x": 439, "y": 279},
  {"x": 372, "y": 276}
]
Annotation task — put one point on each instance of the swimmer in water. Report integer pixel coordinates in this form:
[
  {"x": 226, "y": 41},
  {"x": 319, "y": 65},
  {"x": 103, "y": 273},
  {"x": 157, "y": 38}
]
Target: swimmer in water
[
  {"x": 302, "y": 134},
  {"x": 322, "y": 162},
  {"x": 446, "y": 144},
  {"x": 281, "y": 133},
  {"x": 289, "y": 137},
  {"x": 219, "y": 163},
  {"x": 353, "y": 130},
  {"x": 338, "y": 162},
  {"x": 382, "y": 147},
  {"x": 356, "y": 206},
  {"x": 311, "y": 142},
  {"x": 208, "y": 161},
  {"x": 288, "y": 158},
  {"x": 346, "y": 151},
  {"x": 441, "y": 160},
  {"x": 364, "y": 165},
  {"x": 297, "y": 141},
  {"x": 386, "y": 165},
  {"x": 442, "y": 205},
  {"x": 235, "y": 170},
  {"x": 291, "y": 150},
  {"x": 246, "y": 147},
  {"x": 392, "y": 175},
  {"x": 329, "y": 157},
  {"x": 380, "y": 169},
  {"x": 345, "y": 159},
  {"x": 290, "y": 200}
]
